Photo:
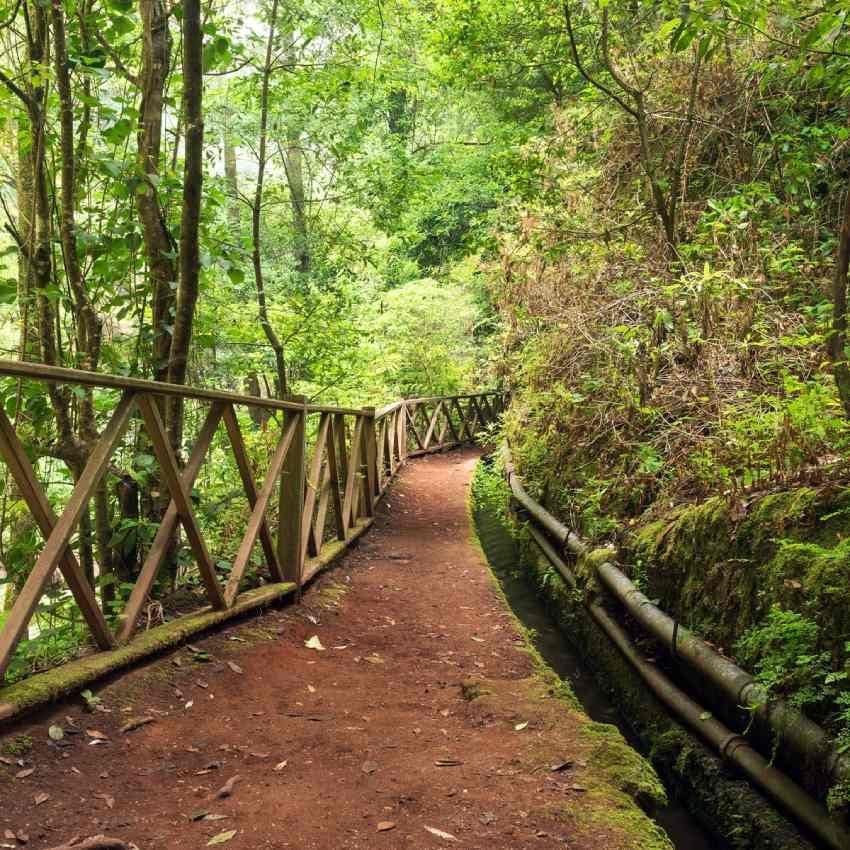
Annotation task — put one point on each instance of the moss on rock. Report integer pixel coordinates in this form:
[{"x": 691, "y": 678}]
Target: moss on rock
[{"x": 719, "y": 566}]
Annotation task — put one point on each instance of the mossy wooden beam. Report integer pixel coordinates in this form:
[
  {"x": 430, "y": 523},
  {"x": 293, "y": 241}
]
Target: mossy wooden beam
[{"x": 43, "y": 688}]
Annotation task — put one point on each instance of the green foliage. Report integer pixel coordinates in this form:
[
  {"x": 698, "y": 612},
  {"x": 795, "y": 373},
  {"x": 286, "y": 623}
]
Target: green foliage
[
  {"x": 788, "y": 658},
  {"x": 785, "y": 655}
]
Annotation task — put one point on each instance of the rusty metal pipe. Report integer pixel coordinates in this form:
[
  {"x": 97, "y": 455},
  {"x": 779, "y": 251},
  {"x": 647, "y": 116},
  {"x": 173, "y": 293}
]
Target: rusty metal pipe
[
  {"x": 806, "y": 741},
  {"x": 729, "y": 745}
]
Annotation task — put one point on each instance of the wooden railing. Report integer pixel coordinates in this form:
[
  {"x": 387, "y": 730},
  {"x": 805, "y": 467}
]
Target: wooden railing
[{"x": 332, "y": 465}]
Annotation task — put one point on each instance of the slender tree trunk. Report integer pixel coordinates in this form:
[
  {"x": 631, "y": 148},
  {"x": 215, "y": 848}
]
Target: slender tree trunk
[
  {"x": 42, "y": 258},
  {"x": 293, "y": 161},
  {"x": 187, "y": 292},
  {"x": 256, "y": 213},
  {"x": 28, "y": 339},
  {"x": 838, "y": 338},
  {"x": 159, "y": 244},
  {"x": 231, "y": 178}
]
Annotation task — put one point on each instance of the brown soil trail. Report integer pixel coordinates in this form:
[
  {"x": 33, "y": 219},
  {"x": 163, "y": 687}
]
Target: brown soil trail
[{"x": 425, "y": 711}]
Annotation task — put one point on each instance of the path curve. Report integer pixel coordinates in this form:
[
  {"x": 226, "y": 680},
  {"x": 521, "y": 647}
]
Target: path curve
[{"x": 424, "y": 714}]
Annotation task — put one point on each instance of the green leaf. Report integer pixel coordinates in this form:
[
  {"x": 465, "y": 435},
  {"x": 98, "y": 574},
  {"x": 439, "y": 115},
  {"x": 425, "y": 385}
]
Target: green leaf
[
  {"x": 118, "y": 132},
  {"x": 8, "y": 290}
]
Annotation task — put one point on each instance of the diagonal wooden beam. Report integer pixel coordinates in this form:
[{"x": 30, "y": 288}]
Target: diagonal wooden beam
[
  {"x": 336, "y": 469},
  {"x": 258, "y": 514},
  {"x": 485, "y": 401},
  {"x": 180, "y": 495},
  {"x": 478, "y": 416},
  {"x": 240, "y": 454},
  {"x": 314, "y": 482},
  {"x": 391, "y": 437},
  {"x": 447, "y": 411},
  {"x": 370, "y": 463},
  {"x": 162, "y": 539},
  {"x": 402, "y": 435},
  {"x": 19, "y": 466},
  {"x": 60, "y": 536},
  {"x": 432, "y": 423},
  {"x": 381, "y": 459},
  {"x": 411, "y": 423},
  {"x": 353, "y": 470},
  {"x": 317, "y": 528},
  {"x": 464, "y": 425}
]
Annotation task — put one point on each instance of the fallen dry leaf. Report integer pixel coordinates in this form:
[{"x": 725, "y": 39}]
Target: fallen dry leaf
[
  {"x": 235, "y": 667},
  {"x": 227, "y": 789},
  {"x": 108, "y": 799},
  {"x": 369, "y": 767},
  {"x": 23, "y": 774},
  {"x": 314, "y": 643},
  {"x": 41, "y": 798},
  {"x": 136, "y": 723},
  {"x": 386, "y": 825},
  {"x": 222, "y": 837},
  {"x": 280, "y": 766},
  {"x": 96, "y": 734},
  {"x": 440, "y": 834},
  {"x": 520, "y": 726}
]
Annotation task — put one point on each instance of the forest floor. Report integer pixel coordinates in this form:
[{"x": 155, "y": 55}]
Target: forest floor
[{"x": 423, "y": 722}]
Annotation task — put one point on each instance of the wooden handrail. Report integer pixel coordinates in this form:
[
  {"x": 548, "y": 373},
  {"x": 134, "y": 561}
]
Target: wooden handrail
[
  {"x": 79, "y": 377},
  {"x": 357, "y": 452}
]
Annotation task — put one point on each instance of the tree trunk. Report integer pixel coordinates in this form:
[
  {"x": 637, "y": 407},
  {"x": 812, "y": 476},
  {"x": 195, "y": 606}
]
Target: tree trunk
[
  {"x": 838, "y": 338},
  {"x": 256, "y": 213},
  {"x": 293, "y": 162},
  {"x": 159, "y": 244},
  {"x": 28, "y": 338},
  {"x": 42, "y": 258},
  {"x": 231, "y": 179},
  {"x": 187, "y": 292}
]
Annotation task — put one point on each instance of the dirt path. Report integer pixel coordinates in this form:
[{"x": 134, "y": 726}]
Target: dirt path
[{"x": 423, "y": 710}]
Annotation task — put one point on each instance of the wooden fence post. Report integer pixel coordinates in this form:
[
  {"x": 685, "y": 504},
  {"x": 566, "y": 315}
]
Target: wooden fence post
[
  {"x": 291, "y": 501},
  {"x": 370, "y": 459}
]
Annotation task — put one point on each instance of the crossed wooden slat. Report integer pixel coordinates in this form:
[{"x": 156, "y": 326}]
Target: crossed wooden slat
[
  {"x": 416, "y": 409},
  {"x": 57, "y": 533},
  {"x": 430, "y": 422},
  {"x": 162, "y": 539},
  {"x": 257, "y": 520},
  {"x": 59, "y": 536},
  {"x": 315, "y": 485},
  {"x": 339, "y": 474}
]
